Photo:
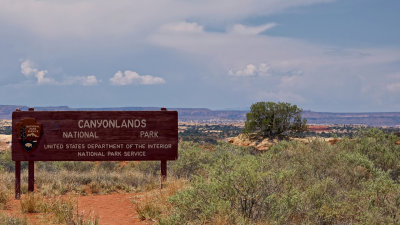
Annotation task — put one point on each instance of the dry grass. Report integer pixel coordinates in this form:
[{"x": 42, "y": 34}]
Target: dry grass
[
  {"x": 154, "y": 204},
  {"x": 32, "y": 203},
  {"x": 4, "y": 196},
  {"x": 60, "y": 178},
  {"x": 12, "y": 220},
  {"x": 65, "y": 211},
  {"x": 58, "y": 210}
]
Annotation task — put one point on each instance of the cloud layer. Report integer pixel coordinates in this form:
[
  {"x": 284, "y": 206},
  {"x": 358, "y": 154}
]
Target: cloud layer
[
  {"x": 226, "y": 47},
  {"x": 291, "y": 69},
  {"x": 89, "y": 18}
]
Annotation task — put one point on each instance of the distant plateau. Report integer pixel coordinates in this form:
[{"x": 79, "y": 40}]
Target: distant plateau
[{"x": 204, "y": 115}]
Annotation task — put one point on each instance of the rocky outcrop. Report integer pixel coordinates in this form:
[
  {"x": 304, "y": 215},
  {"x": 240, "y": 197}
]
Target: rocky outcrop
[
  {"x": 259, "y": 143},
  {"x": 263, "y": 144}
]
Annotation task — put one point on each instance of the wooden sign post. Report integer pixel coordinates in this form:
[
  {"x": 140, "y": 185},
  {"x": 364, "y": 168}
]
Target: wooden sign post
[{"x": 92, "y": 136}]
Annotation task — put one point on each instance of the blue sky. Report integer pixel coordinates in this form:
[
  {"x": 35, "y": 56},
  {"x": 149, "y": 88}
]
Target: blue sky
[{"x": 323, "y": 55}]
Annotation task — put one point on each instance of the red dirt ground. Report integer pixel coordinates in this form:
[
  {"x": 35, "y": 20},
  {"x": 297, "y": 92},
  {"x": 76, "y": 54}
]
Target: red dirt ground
[
  {"x": 112, "y": 209},
  {"x": 318, "y": 128}
]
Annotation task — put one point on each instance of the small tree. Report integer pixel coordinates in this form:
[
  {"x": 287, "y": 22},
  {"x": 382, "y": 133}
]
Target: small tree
[{"x": 271, "y": 119}]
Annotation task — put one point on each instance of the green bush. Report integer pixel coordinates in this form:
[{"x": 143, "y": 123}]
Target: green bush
[
  {"x": 270, "y": 119},
  {"x": 291, "y": 183},
  {"x": 6, "y": 164},
  {"x": 380, "y": 148},
  {"x": 192, "y": 160},
  {"x": 198, "y": 204}
]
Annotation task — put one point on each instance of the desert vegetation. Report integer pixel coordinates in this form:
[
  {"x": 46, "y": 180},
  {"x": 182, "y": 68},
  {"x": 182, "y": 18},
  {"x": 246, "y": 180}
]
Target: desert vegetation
[
  {"x": 355, "y": 181},
  {"x": 208, "y": 133},
  {"x": 270, "y": 119}
]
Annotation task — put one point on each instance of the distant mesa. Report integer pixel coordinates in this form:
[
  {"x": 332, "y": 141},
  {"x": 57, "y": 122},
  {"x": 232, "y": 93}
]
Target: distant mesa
[{"x": 204, "y": 115}]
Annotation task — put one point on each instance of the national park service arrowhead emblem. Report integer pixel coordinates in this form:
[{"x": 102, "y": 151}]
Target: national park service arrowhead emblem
[{"x": 29, "y": 133}]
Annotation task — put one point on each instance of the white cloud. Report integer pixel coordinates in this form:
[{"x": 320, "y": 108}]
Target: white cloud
[
  {"x": 130, "y": 77},
  {"x": 183, "y": 27},
  {"x": 90, "y": 80},
  {"x": 28, "y": 68},
  {"x": 249, "y": 30},
  {"x": 250, "y": 70},
  {"x": 263, "y": 68}
]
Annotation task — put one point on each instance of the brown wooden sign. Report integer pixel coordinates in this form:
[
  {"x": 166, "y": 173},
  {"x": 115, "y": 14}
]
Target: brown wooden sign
[{"x": 94, "y": 135}]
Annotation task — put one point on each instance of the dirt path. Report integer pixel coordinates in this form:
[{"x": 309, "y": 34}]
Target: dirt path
[{"x": 111, "y": 209}]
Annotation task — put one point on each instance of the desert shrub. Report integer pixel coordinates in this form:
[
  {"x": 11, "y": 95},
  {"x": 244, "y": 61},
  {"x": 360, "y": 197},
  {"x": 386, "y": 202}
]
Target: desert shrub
[
  {"x": 6, "y": 163},
  {"x": 63, "y": 211},
  {"x": 192, "y": 160},
  {"x": 60, "y": 211},
  {"x": 148, "y": 167},
  {"x": 380, "y": 148},
  {"x": 61, "y": 182},
  {"x": 235, "y": 182},
  {"x": 148, "y": 210},
  {"x": 151, "y": 205},
  {"x": 106, "y": 166},
  {"x": 292, "y": 183},
  {"x": 76, "y": 166},
  {"x": 197, "y": 204},
  {"x": 32, "y": 203}
]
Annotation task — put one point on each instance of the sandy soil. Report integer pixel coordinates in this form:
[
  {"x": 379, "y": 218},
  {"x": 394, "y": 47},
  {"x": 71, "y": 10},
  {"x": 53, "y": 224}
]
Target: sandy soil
[{"x": 112, "y": 209}]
